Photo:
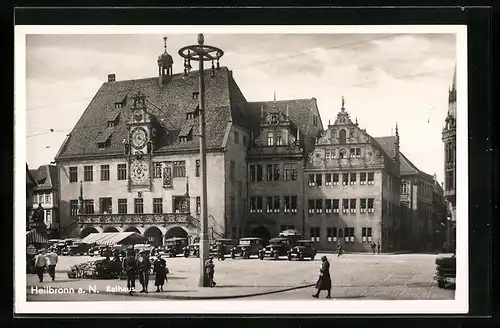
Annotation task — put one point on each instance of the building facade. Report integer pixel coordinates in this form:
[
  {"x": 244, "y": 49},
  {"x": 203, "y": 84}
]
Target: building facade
[
  {"x": 30, "y": 188},
  {"x": 450, "y": 165},
  {"x": 352, "y": 188},
  {"x": 417, "y": 196},
  {"x": 46, "y": 194}
]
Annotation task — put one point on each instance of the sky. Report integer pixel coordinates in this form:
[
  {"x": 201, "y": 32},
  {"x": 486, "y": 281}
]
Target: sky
[{"x": 384, "y": 78}]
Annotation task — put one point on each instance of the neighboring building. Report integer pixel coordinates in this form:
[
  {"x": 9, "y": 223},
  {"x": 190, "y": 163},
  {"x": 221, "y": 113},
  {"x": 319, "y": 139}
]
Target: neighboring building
[
  {"x": 438, "y": 216},
  {"x": 450, "y": 164},
  {"x": 417, "y": 190},
  {"x": 283, "y": 132},
  {"x": 352, "y": 188},
  {"x": 46, "y": 193},
  {"x": 30, "y": 188}
]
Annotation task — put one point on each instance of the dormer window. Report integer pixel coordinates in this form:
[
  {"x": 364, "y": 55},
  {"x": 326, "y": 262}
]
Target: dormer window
[
  {"x": 111, "y": 124},
  {"x": 195, "y": 95},
  {"x": 105, "y": 144},
  {"x": 104, "y": 140},
  {"x": 186, "y": 134},
  {"x": 120, "y": 101},
  {"x": 118, "y": 105},
  {"x": 113, "y": 119}
]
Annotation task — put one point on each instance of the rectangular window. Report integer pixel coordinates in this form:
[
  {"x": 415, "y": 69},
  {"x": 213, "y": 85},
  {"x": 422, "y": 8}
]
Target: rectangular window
[
  {"x": 286, "y": 204},
  {"x": 404, "y": 188},
  {"x": 232, "y": 169},
  {"x": 157, "y": 205},
  {"x": 104, "y": 172},
  {"x": 345, "y": 205},
  {"x": 138, "y": 205},
  {"x": 73, "y": 174},
  {"x": 197, "y": 168},
  {"x": 106, "y": 205},
  {"x": 277, "y": 204},
  {"x": 345, "y": 179},
  {"x": 312, "y": 181},
  {"x": 352, "y": 205},
  {"x": 358, "y": 152},
  {"x": 269, "y": 204},
  {"x": 335, "y": 179},
  {"x": 88, "y": 206},
  {"x": 328, "y": 179},
  {"x": 253, "y": 204},
  {"x": 260, "y": 205},
  {"x": 352, "y": 153},
  {"x": 179, "y": 169},
  {"x": 319, "y": 206},
  {"x": 328, "y": 206},
  {"x": 362, "y": 178},
  {"x": 286, "y": 171},
  {"x": 260, "y": 172},
  {"x": 311, "y": 206},
  {"x": 73, "y": 207},
  {"x": 335, "y": 205},
  {"x": 366, "y": 235},
  {"x": 35, "y": 199},
  {"x": 314, "y": 231},
  {"x": 236, "y": 137},
  {"x": 319, "y": 180},
  {"x": 362, "y": 205},
  {"x": 449, "y": 183},
  {"x": 198, "y": 205},
  {"x": 370, "y": 205},
  {"x": 122, "y": 206},
  {"x": 328, "y": 154},
  {"x": 349, "y": 235},
  {"x": 352, "y": 179},
  {"x": 48, "y": 217},
  {"x": 371, "y": 176},
  {"x": 48, "y": 198},
  {"x": 122, "y": 171},
  {"x": 276, "y": 172},
  {"x": 253, "y": 172},
  {"x": 279, "y": 139},
  {"x": 293, "y": 171},
  {"x": 293, "y": 204},
  {"x": 269, "y": 171},
  {"x": 88, "y": 173},
  {"x": 157, "y": 169},
  {"x": 270, "y": 139},
  {"x": 180, "y": 204},
  {"x": 331, "y": 235}
]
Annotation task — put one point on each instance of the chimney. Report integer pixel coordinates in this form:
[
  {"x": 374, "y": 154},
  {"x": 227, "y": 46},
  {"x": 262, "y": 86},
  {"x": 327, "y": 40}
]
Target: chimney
[{"x": 111, "y": 77}]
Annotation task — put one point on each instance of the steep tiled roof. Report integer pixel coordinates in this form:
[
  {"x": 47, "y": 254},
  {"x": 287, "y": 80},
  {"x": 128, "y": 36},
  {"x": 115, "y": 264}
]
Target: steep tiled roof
[
  {"x": 408, "y": 168},
  {"x": 46, "y": 177},
  {"x": 169, "y": 104},
  {"x": 30, "y": 180},
  {"x": 387, "y": 144}
]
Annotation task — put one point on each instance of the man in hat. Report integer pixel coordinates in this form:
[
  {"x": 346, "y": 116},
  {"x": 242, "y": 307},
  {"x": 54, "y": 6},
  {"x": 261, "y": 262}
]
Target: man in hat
[
  {"x": 51, "y": 263},
  {"x": 324, "y": 281},
  {"x": 144, "y": 269},
  {"x": 210, "y": 271},
  {"x": 160, "y": 271},
  {"x": 129, "y": 265},
  {"x": 40, "y": 264}
]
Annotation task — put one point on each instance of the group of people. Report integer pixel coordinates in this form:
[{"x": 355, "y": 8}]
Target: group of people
[
  {"x": 46, "y": 260},
  {"x": 340, "y": 247},
  {"x": 140, "y": 266},
  {"x": 375, "y": 246}
]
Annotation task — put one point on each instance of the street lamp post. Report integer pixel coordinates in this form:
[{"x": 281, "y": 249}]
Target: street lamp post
[{"x": 202, "y": 53}]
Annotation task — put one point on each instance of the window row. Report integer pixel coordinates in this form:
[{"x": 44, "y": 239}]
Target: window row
[
  {"x": 180, "y": 204},
  {"x": 329, "y": 206},
  {"x": 273, "y": 172},
  {"x": 275, "y": 139},
  {"x": 333, "y": 179},
  {"x": 343, "y": 153},
  {"x": 334, "y": 234},
  {"x": 178, "y": 169},
  {"x": 45, "y": 198},
  {"x": 273, "y": 204}
]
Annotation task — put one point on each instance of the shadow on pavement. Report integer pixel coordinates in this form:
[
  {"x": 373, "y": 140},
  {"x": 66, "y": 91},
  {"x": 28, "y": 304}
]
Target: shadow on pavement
[{"x": 253, "y": 286}]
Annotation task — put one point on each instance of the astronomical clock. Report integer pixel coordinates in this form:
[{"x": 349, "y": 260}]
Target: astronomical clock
[{"x": 139, "y": 146}]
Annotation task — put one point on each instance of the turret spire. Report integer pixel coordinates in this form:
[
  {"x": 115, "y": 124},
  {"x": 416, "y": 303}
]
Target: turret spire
[
  {"x": 165, "y": 43},
  {"x": 343, "y": 104},
  {"x": 397, "y": 131}
]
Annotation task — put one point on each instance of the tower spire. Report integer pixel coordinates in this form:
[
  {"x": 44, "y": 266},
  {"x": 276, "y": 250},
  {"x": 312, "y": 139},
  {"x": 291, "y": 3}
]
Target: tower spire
[
  {"x": 454, "y": 82},
  {"x": 165, "y": 43},
  {"x": 397, "y": 132},
  {"x": 343, "y": 103},
  {"x": 274, "y": 98}
]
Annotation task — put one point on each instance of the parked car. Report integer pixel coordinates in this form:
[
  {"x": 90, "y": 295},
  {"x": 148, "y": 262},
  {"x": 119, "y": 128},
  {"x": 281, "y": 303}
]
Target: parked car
[
  {"x": 292, "y": 234},
  {"x": 446, "y": 270},
  {"x": 228, "y": 246},
  {"x": 192, "y": 249},
  {"x": 302, "y": 249},
  {"x": 247, "y": 247},
  {"x": 175, "y": 246},
  {"x": 277, "y": 247}
]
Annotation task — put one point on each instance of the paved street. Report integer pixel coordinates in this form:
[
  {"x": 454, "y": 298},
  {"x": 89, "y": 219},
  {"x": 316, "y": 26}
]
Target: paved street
[{"x": 355, "y": 276}]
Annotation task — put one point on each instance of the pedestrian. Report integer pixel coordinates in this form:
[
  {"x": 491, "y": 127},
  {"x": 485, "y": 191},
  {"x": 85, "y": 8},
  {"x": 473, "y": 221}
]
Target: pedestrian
[
  {"x": 373, "y": 247},
  {"x": 51, "y": 264},
  {"x": 144, "y": 270},
  {"x": 129, "y": 265},
  {"x": 339, "y": 248},
  {"x": 160, "y": 271},
  {"x": 324, "y": 281},
  {"x": 40, "y": 264},
  {"x": 378, "y": 247},
  {"x": 220, "y": 251},
  {"x": 210, "y": 271}
]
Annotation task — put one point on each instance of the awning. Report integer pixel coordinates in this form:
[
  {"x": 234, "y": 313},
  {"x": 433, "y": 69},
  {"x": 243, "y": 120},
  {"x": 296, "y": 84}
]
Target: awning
[
  {"x": 113, "y": 238},
  {"x": 33, "y": 237}
]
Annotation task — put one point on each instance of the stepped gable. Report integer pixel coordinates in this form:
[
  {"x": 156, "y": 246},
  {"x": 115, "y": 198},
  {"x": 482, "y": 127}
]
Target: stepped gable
[{"x": 169, "y": 104}]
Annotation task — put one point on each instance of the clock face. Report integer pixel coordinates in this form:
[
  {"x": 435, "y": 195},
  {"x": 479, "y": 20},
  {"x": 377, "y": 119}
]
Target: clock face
[
  {"x": 139, "y": 137},
  {"x": 139, "y": 172}
]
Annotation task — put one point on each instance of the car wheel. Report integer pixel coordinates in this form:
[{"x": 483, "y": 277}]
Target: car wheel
[
  {"x": 246, "y": 255},
  {"x": 276, "y": 256},
  {"x": 186, "y": 255},
  {"x": 301, "y": 257},
  {"x": 289, "y": 257},
  {"x": 233, "y": 256},
  {"x": 261, "y": 256},
  {"x": 441, "y": 284},
  {"x": 312, "y": 258}
]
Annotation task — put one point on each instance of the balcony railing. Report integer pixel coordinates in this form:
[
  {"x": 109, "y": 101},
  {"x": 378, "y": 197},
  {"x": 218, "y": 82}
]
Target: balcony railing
[{"x": 132, "y": 219}]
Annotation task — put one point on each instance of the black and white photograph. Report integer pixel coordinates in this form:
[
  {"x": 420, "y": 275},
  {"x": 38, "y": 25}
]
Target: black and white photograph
[{"x": 292, "y": 169}]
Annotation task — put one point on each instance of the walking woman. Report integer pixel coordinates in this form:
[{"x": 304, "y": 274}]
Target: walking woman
[
  {"x": 324, "y": 281},
  {"x": 160, "y": 271}
]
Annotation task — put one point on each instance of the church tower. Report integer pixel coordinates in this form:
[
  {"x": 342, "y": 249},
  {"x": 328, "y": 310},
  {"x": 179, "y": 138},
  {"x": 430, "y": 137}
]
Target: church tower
[{"x": 449, "y": 140}]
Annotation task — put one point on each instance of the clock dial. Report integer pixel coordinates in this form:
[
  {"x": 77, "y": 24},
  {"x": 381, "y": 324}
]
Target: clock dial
[
  {"x": 139, "y": 138},
  {"x": 139, "y": 172}
]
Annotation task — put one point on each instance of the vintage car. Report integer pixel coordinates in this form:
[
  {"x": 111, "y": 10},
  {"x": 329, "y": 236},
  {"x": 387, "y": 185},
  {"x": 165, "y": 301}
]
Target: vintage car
[
  {"x": 302, "y": 249},
  {"x": 446, "y": 270},
  {"x": 277, "y": 247},
  {"x": 247, "y": 247},
  {"x": 175, "y": 246},
  {"x": 192, "y": 249},
  {"x": 227, "y": 243},
  {"x": 76, "y": 249},
  {"x": 291, "y": 234}
]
